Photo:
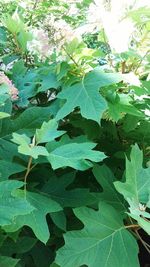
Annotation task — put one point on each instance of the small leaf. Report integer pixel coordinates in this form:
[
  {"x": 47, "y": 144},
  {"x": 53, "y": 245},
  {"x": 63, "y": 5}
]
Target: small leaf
[
  {"x": 28, "y": 149},
  {"x": 48, "y": 132}
]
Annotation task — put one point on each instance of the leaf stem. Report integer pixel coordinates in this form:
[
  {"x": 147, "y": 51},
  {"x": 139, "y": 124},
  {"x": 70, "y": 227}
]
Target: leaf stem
[
  {"x": 135, "y": 71},
  {"x": 70, "y": 57}
]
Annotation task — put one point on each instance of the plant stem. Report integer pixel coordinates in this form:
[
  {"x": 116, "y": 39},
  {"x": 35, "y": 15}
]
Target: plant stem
[
  {"x": 143, "y": 242},
  {"x": 132, "y": 226},
  {"x": 70, "y": 57},
  {"x": 135, "y": 71},
  {"x": 123, "y": 67},
  {"x": 27, "y": 173}
]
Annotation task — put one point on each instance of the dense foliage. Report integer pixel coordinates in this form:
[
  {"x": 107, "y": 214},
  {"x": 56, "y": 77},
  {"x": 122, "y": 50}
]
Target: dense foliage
[{"x": 74, "y": 133}]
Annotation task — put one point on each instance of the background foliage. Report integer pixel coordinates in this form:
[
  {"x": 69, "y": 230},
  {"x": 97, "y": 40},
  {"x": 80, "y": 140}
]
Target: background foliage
[{"x": 74, "y": 133}]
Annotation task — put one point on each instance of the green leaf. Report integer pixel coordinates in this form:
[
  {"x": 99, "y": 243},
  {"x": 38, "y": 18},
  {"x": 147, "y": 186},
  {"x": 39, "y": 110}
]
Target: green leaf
[
  {"x": 48, "y": 132},
  {"x": 56, "y": 188},
  {"x": 47, "y": 79},
  {"x": 8, "y": 150},
  {"x": 8, "y": 261},
  {"x": 59, "y": 219},
  {"x": 8, "y": 168},
  {"x": 13, "y": 23},
  {"x": 28, "y": 149},
  {"x": 141, "y": 214},
  {"x": 23, "y": 38},
  {"x": 3, "y": 37},
  {"x": 4, "y": 115},
  {"x": 36, "y": 220},
  {"x": 31, "y": 118},
  {"x": 86, "y": 95},
  {"x": 54, "y": 265},
  {"x": 102, "y": 242},
  {"x": 75, "y": 155},
  {"x": 42, "y": 255},
  {"x": 137, "y": 179},
  {"x": 11, "y": 205},
  {"x": 122, "y": 106},
  {"x": 105, "y": 178},
  {"x": 19, "y": 246},
  {"x": 145, "y": 224}
]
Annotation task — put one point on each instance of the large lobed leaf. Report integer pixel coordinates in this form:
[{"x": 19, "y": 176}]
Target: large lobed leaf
[
  {"x": 86, "y": 95},
  {"x": 137, "y": 182},
  {"x": 102, "y": 242}
]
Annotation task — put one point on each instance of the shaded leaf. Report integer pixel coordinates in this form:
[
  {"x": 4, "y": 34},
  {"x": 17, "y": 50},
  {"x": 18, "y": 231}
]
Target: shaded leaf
[
  {"x": 105, "y": 178},
  {"x": 36, "y": 220},
  {"x": 56, "y": 188},
  {"x": 8, "y": 168},
  {"x": 8, "y": 261}
]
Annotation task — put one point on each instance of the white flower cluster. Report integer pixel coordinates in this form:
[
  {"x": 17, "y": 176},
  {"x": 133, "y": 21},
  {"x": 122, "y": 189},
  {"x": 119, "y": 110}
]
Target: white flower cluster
[
  {"x": 39, "y": 45},
  {"x": 56, "y": 35},
  {"x": 60, "y": 32}
]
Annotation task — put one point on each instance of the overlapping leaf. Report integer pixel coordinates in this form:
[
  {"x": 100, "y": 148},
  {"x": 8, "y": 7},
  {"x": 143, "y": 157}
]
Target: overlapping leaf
[
  {"x": 10, "y": 204},
  {"x": 105, "y": 178},
  {"x": 36, "y": 220},
  {"x": 26, "y": 148},
  {"x": 8, "y": 168},
  {"x": 75, "y": 155},
  {"x": 48, "y": 132},
  {"x": 56, "y": 188}
]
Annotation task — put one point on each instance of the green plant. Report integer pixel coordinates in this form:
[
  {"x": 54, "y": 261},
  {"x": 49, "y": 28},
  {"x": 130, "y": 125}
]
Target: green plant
[{"x": 74, "y": 146}]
